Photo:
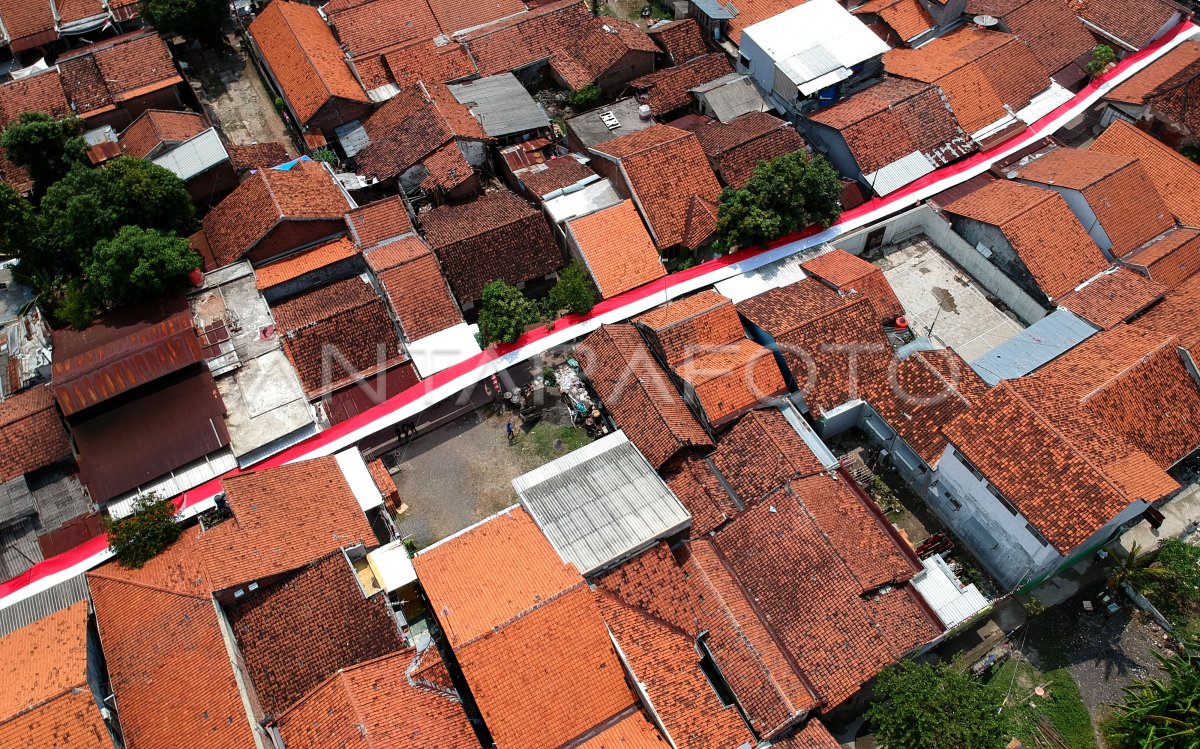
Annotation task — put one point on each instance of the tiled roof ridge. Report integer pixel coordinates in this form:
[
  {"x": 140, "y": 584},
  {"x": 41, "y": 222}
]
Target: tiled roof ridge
[
  {"x": 593, "y": 731},
  {"x": 536, "y": 607},
  {"x": 641, "y": 611},
  {"x": 157, "y": 588},
  {"x": 500, "y": 24},
  {"x": 74, "y": 689},
  {"x": 788, "y": 658},
  {"x": 1115, "y": 379},
  {"x": 481, "y": 228},
  {"x": 952, "y": 387},
  {"x": 314, "y": 323},
  {"x": 423, "y": 684},
  {"x": 304, "y": 50}
]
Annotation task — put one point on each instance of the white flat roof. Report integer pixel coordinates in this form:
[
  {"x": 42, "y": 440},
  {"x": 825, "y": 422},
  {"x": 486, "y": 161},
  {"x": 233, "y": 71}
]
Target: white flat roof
[
  {"x": 391, "y": 565},
  {"x": 354, "y": 468},
  {"x": 446, "y": 348},
  {"x": 601, "y": 503},
  {"x": 950, "y": 600},
  {"x": 815, "y": 39}
]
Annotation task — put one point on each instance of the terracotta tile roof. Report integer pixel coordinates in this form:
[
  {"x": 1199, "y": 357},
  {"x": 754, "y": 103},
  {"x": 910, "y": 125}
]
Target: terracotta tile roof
[
  {"x": 1131, "y": 23},
  {"x": 831, "y": 349},
  {"x": 848, "y": 274},
  {"x": 736, "y": 147},
  {"x": 526, "y": 631},
  {"x": 70, "y": 11},
  {"x": 905, "y": 17},
  {"x": 682, "y": 40},
  {"x": 304, "y": 57},
  {"x": 294, "y": 266},
  {"x": 698, "y": 594},
  {"x": 616, "y": 248},
  {"x": 665, "y": 168},
  {"x": 375, "y": 223},
  {"x": 418, "y": 293},
  {"x": 70, "y": 722},
  {"x": 814, "y": 735},
  {"x": 238, "y": 223},
  {"x": 117, "y": 70},
  {"x": 404, "y": 130},
  {"x": 379, "y": 24},
  {"x": 284, "y": 518},
  {"x": 1112, "y": 298},
  {"x": 1039, "y": 225},
  {"x": 395, "y": 252},
  {"x": 446, "y": 169},
  {"x": 29, "y": 24},
  {"x": 733, "y": 378},
  {"x": 923, "y": 393},
  {"x": 374, "y": 705},
  {"x": 556, "y": 173},
  {"x": 1050, "y": 477},
  {"x": 1175, "y": 177},
  {"x": 257, "y": 155},
  {"x": 695, "y": 483},
  {"x": 638, "y": 393},
  {"x": 424, "y": 60},
  {"x": 669, "y": 89},
  {"x": 497, "y": 236},
  {"x": 453, "y": 16},
  {"x": 700, "y": 223},
  {"x": 33, "y": 433},
  {"x": 914, "y": 117},
  {"x": 777, "y": 550},
  {"x": 633, "y": 731},
  {"x": 491, "y": 574},
  {"x": 564, "y": 33},
  {"x": 275, "y": 629},
  {"x": 981, "y": 72},
  {"x": 1132, "y": 382},
  {"x": 166, "y": 656},
  {"x": 1053, "y": 33},
  {"x": 1110, "y": 184},
  {"x": 43, "y": 662},
  {"x": 997, "y": 8},
  {"x": 42, "y": 92},
  {"x": 762, "y": 453},
  {"x": 305, "y": 310},
  {"x": 1171, "y": 259},
  {"x": 1151, "y": 79},
  {"x": 1176, "y": 315},
  {"x": 156, "y": 127},
  {"x": 688, "y": 326}
]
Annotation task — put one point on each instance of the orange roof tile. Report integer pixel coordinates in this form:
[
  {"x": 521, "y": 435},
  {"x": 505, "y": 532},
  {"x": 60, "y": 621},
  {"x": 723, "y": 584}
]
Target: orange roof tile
[
  {"x": 736, "y": 147},
  {"x": 44, "y": 661},
  {"x": 1170, "y": 259},
  {"x": 424, "y": 60},
  {"x": 1148, "y": 81},
  {"x": 760, "y": 454},
  {"x": 1130, "y": 23},
  {"x": 750, "y": 12},
  {"x": 1112, "y": 297},
  {"x": 665, "y": 168},
  {"x": 283, "y": 518},
  {"x": 638, "y": 394},
  {"x": 71, "y": 721},
  {"x": 491, "y": 574},
  {"x": 691, "y": 325},
  {"x": 373, "y": 706},
  {"x": 905, "y": 17},
  {"x": 1054, "y": 34},
  {"x": 1111, "y": 185},
  {"x": 418, "y": 293},
  {"x": 694, "y": 481},
  {"x": 1039, "y": 225},
  {"x": 631, "y": 732},
  {"x": 375, "y": 223},
  {"x": 616, "y": 248},
  {"x": 380, "y": 24},
  {"x": 305, "y": 58},
  {"x": 981, "y": 72},
  {"x": 848, "y": 273},
  {"x": 733, "y": 378},
  {"x": 669, "y": 89},
  {"x": 1176, "y": 315},
  {"x": 396, "y": 252},
  {"x": 29, "y": 24},
  {"x": 1175, "y": 177},
  {"x": 682, "y": 40},
  {"x": 33, "y": 433},
  {"x": 156, "y": 127},
  {"x": 41, "y": 92},
  {"x": 553, "y": 174},
  {"x": 294, "y": 266},
  {"x": 814, "y": 735}
]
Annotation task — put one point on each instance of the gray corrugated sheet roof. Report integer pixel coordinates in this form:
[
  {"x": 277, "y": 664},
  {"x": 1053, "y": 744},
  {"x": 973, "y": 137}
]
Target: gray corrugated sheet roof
[
  {"x": 1047, "y": 339},
  {"x": 195, "y": 155},
  {"x": 40, "y": 605},
  {"x": 899, "y": 173},
  {"x": 601, "y": 503},
  {"x": 731, "y": 96},
  {"x": 715, "y": 10},
  {"x": 501, "y": 104}
]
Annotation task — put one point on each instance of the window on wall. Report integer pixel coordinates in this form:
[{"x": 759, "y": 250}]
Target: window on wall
[
  {"x": 1007, "y": 505},
  {"x": 1034, "y": 532},
  {"x": 967, "y": 464}
]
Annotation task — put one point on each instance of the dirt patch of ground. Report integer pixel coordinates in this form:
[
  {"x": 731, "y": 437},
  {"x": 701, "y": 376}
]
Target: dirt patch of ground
[
  {"x": 461, "y": 473},
  {"x": 234, "y": 95}
]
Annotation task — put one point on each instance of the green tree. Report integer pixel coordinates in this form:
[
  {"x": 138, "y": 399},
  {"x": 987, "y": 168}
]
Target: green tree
[
  {"x": 139, "y": 265},
  {"x": 193, "y": 19},
  {"x": 48, "y": 147},
  {"x": 1174, "y": 585},
  {"x": 1102, "y": 57},
  {"x": 584, "y": 98},
  {"x": 71, "y": 304},
  {"x": 783, "y": 195},
  {"x": 140, "y": 537},
  {"x": 504, "y": 313},
  {"x": 932, "y": 707},
  {"x": 16, "y": 223},
  {"x": 573, "y": 291},
  {"x": 1161, "y": 713}
]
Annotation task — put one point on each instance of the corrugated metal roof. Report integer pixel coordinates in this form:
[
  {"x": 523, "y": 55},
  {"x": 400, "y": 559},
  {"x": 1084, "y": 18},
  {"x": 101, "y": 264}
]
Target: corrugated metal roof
[
  {"x": 601, "y": 503},
  {"x": 40, "y": 605},
  {"x": 940, "y": 588},
  {"x": 782, "y": 272},
  {"x": 817, "y": 24},
  {"x": 731, "y": 96},
  {"x": 501, "y": 104},
  {"x": 589, "y": 199},
  {"x": 715, "y": 10},
  {"x": 899, "y": 173},
  {"x": 120, "y": 351},
  {"x": 353, "y": 137},
  {"x": 195, "y": 155},
  {"x": 1047, "y": 339}
]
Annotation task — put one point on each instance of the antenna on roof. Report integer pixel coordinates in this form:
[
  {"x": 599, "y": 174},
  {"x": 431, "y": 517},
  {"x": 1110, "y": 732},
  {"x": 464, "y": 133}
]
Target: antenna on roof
[{"x": 986, "y": 21}]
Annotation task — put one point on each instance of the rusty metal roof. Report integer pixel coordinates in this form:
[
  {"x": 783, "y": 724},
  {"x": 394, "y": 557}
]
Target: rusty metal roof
[{"x": 122, "y": 350}]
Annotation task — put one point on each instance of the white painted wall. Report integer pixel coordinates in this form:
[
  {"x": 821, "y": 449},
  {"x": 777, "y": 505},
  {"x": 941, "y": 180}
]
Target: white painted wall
[{"x": 1079, "y": 206}]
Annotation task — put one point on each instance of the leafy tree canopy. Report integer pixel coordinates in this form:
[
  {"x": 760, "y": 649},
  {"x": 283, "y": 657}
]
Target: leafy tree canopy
[
  {"x": 783, "y": 195},
  {"x": 143, "y": 535},
  {"x": 46, "y": 146},
  {"x": 16, "y": 223},
  {"x": 1161, "y": 713},
  {"x": 574, "y": 291},
  {"x": 139, "y": 265},
  {"x": 504, "y": 313},
  {"x": 188, "y": 18},
  {"x": 921, "y": 706}
]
